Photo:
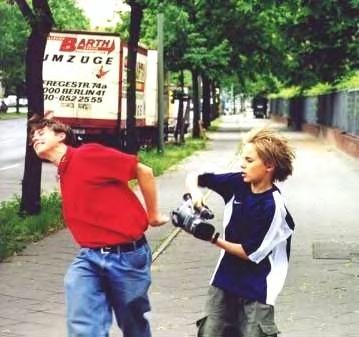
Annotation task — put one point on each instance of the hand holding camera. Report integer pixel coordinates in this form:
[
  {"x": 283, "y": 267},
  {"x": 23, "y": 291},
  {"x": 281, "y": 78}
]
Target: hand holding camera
[{"x": 192, "y": 219}]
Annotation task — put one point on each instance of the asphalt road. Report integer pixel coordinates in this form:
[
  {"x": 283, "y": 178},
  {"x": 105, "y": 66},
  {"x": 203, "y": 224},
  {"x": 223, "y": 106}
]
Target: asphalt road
[{"x": 12, "y": 154}]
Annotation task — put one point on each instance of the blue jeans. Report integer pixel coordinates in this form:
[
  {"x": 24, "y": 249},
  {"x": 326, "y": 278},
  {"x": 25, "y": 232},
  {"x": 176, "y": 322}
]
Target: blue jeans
[{"x": 98, "y": 283}]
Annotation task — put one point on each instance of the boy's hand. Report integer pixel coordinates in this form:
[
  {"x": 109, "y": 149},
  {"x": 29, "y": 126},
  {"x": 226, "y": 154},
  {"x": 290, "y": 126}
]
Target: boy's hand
[{"x": 158, "y": 220}]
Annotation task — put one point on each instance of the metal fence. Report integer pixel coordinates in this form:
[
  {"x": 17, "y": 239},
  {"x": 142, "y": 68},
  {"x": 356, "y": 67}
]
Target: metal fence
[{"x": 338, "y": 110}]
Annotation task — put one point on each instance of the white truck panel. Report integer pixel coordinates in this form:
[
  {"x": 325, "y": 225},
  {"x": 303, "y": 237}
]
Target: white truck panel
[
  {"x": 151, "y": 93},
  {"x": 81, "y": 75}
]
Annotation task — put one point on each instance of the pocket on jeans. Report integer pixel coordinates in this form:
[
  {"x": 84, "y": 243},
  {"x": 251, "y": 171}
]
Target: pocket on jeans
[
  {"x": 137, "y": 259},
  {"x": 269, "y": 330}
]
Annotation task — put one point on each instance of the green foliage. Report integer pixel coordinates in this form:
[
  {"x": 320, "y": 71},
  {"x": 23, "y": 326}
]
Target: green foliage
[
  {"x": 14, "y": 31},
  {"x": 349, "y": 81},
  {"x": 17, "y": 231},
  {"x": 122, "y": 27},
  {"x": 247, "y": 45},
  {"x": 175, "y": 78},
  {"x": 257, "y": 46},
  {"x": 323, "y": 42},
  {"x": 319, "y": 89},
  {"x": 68, "y": 15},
  {"x": 215, "y": 125},
  {"x": 172, "y": 155},
  {"x": 148, "y": 28},
  {"x": 288, "y": 92}
]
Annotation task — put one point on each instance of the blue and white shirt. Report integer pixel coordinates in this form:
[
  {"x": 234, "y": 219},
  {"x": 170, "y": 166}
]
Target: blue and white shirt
[{"x": 263, "y": 226}]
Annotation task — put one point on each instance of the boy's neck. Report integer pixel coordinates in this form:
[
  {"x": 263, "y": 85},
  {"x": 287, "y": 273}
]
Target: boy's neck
[
  {"x": 261, "y": 187},
  {"x": 57, "y": 155}
]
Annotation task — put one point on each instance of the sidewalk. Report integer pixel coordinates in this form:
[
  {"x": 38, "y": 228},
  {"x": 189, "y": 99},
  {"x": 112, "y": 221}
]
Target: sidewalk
[
  {"x": 321, "y": 294},
  {"x": 320, "y": 297}
]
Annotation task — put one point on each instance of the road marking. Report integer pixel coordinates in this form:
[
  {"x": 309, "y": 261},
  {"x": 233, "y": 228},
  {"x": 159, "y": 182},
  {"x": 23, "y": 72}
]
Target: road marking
[{"x": 8, "y": 167}]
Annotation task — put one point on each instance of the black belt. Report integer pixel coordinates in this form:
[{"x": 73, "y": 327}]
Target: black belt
[{"x": 123, "y": 247}]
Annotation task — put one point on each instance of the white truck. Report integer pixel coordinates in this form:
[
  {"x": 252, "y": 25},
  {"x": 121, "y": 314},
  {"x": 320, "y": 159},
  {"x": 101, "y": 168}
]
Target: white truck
[{"x": 84, "y": 77}]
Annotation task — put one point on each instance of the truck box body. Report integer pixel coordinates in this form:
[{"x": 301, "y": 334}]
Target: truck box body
[{"x": 85, "y": 83}]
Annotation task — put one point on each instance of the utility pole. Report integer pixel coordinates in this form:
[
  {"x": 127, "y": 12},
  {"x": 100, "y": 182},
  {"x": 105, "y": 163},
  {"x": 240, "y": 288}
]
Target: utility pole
[{"x": 160, "y": 82}]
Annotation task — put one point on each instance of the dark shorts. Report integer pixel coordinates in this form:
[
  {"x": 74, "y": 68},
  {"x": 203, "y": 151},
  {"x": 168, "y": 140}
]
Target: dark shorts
[{"x": 231, "y": 316}]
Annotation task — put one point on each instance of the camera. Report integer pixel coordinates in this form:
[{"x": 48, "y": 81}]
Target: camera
[{"x": 193, "y": 219}]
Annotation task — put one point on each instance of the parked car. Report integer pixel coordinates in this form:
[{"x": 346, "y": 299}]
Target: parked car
[{"x": 11, "y": 100}]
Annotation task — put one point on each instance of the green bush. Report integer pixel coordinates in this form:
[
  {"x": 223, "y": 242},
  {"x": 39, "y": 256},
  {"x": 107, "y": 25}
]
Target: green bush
[
  {"x": 215, "y": 125},
  {"x": 287, "y": 92},
  {"x": 347, "y": 82},
  {"x": 16, "y": 231},
  {"x": 319, "y": 89},
  {"x": 350, "y": 81}
]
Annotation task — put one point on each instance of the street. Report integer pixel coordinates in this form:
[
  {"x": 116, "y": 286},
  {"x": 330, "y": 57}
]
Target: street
[{"x": 12, "y": 154}]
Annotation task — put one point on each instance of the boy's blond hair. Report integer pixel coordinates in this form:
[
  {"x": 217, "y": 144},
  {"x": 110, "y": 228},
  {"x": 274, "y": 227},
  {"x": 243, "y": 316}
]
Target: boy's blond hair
[{"x": 272, "y": 148}]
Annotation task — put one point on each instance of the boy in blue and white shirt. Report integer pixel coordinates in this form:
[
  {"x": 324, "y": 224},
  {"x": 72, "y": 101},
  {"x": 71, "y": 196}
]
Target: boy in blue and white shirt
[{"x": 255, "y": 251}]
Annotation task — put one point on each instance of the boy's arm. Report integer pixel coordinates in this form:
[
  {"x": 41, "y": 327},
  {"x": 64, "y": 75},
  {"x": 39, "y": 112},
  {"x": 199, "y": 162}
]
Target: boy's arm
[
  {"x": 232, "y": 248},
  {"x": 147, "y": 184}
]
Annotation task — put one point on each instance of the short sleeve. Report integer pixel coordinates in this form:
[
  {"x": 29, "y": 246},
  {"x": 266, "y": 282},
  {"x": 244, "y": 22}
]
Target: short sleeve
[
  {"x": 268, "y": 231},
  {"x": 104, "y": 163}
]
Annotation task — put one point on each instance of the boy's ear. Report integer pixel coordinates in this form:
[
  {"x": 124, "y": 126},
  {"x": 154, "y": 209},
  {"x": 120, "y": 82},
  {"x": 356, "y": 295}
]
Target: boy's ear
[
  {"x": 270, "y": 167},
  {"x": 62, "y": 136}
]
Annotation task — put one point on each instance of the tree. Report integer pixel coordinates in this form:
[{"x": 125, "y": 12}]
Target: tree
[
  {"x": 13, "y": 32},
  {"x": 40, "y": 21},
  {"x": 323, "y": 41},
  {"x": 134, "y": 36},
  {"x": 184, "y": 48},
  {"x": 176, "y": 41},
  {"x": 256, "y": 46},
  {"x": 258, "y": 50}
]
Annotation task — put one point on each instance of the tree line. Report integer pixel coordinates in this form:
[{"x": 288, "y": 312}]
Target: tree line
[{"x": 249, "y": 46}]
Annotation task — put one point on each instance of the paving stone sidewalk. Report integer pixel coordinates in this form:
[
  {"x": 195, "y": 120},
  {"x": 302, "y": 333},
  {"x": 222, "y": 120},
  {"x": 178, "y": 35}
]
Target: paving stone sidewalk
[{"x": 321, "y": 295}]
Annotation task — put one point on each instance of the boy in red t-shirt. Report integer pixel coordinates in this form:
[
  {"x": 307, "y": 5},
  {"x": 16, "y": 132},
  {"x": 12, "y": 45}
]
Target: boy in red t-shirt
[{"x": 112, "y": 270}]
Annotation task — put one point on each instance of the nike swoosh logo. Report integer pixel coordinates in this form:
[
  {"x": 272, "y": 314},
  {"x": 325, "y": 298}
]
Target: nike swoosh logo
[{"x": 237, "y": 202}]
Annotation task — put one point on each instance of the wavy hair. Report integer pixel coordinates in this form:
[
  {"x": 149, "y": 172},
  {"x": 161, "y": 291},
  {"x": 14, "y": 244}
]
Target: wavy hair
[{"x": 272, "y": 148}]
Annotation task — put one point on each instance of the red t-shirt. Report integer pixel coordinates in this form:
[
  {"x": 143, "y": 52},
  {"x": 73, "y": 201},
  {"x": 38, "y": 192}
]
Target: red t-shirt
[{"x": 98, "y": 206}]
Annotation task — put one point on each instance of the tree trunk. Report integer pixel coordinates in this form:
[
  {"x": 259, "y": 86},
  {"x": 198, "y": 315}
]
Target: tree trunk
[
  {"x": 195, "y": 99},
  {"x": 41, "y": 24},
  {"x": 179, "y": 131},
  {"x": 206, "y": 109},
  {"x": 135, "y": 25},
  {"x": 214, "y": 107},
  {"x": 234, "y": 101},
  {"x": 186, "y": 117}
]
